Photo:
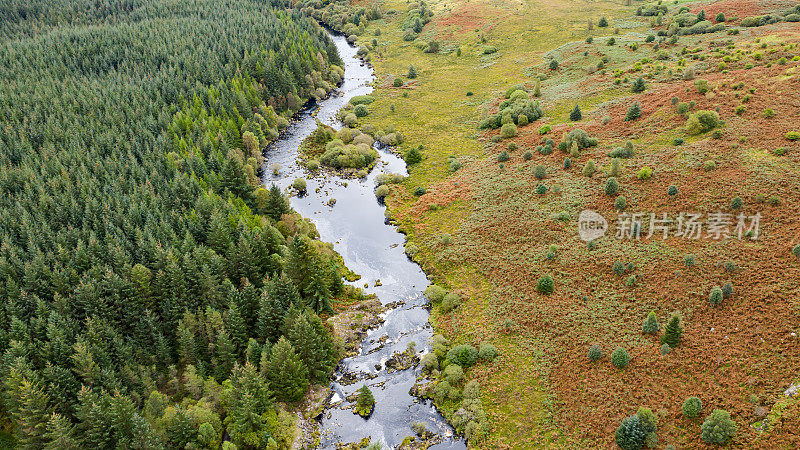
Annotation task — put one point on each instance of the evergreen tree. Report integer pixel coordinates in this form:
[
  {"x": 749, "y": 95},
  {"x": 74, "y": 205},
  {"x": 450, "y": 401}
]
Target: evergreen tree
[
  {"x": 412, "y": 72},
  {"x": 576, "y": 115},
  {"x": 61, "y": 434},
  {"x": 31, "y": 415},
  {"x": 365, "y": 401},
  {"x": 638, "y": 86},
  {"x": 650, "y": 325},
  {"x": 236, "y": 328},
  {"x": 276, "y": 204},
  {"x": 634, "y": 112},
  {"x": 287, "y": 374},
  {"x": 247, "y": 402},
  {"x": 224, "y": 356},
  {"x": 673, "y": 332},
  {"x": 313, "y": 346}
]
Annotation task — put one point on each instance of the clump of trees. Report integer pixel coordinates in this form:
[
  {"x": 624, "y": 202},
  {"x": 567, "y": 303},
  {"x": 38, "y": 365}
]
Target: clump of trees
[{"x": 515, "y": 108}]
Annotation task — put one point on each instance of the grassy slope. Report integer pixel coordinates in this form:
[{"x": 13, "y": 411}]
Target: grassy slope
[{"x": 542, "y": 391}]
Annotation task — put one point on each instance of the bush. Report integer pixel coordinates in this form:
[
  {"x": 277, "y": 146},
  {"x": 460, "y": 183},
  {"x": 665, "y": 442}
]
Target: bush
[
  {"x": 453, "y": 374},
  {"x": 544, "y": 129},
  {"x": 618, "y": 267},
  {"x": 553, "y": 64},
  {"x": 489, "y": 49},
  {"x": 718, "y": 428},
  {"x": 503, "y": 156},
  {"x": 412, "y": 72},
  {"x": 419, "y": 191},
  {"x": 634, "y": 112},
  {"x": 665, "y": 348},
  {"x": 450, "y": 302},
  {"x": 720, "y": 17},
  {"x": 435, "y": 293},
  {"x": 579, "y": 137},
  {"x": 589, "y": 169},
  {"x": 620, "y": 358},
  {"x": 702, "y": 121},
  {"x": 793, "y": 135},
  {"x": 620, "y": 203},
  {"x": 736, "y": 203},
  {"x": 362, "y": 100},
  {"x": 398, "y": 82},
  {"x": 299, "y": 185},
  {"x": 602, "y": 23},
  {"x": 678, "y": 141},
  {"x": 630, "y": 435},
  {"x": 682, "y": 108},
  {"x": 796, "y": 251},
  {"x": 575, "y": 115},
  {"x": 508, "y": 130},
  {"x": 545, "y": 285},
  {"x": 611, "y": 41},
  {"x": 595, "y": 353},
  {"x": 464, "y": 355},
  {"x": 567, "y": 163},
  {"x": 645, "y": 173},
  {"x": 709, "y": 165},
  {"x": 360, "y": 111},
  {"x": 692, "y": 407},
  {"x": 672, "y": 191},
  {"x": 541, "y": 189},
  {"x": 540, "y": 172},
  {"x": 650, "y": 325},
  {"x": 715, "y": 297},
  {"x": 701, "y": 86},
  {"x": 432, "y": 47},
  {"x": 487, "y": 352},
  {"x": 382, "y": 192},
  {"x": 413, "y": 156},
  {"x": 623, "y": 152},
  {"x": 612, "y": 186}
]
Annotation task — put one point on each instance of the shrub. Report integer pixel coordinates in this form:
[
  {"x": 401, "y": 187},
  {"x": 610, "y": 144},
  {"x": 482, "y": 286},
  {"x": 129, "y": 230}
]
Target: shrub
[
  {"x": 463, "y": 354},
  {"x": 553, "y": 64},
  {"x": 544, "y": 129},
  {"x": 508, "y": 130},
  {"x": 650, "y": 325},
  {"x": 575, "y": 115},
  {"x": 692, "y": 407},
  {"x": 503, "y": 156},
  {"x": 567, "y": 163},
  {"x": 360, "y": 110},
  {"x": 412, "y": 72},
  {"x": 665, "y": 348},
  {"x": 580, "y": 138},
  {"x": 638, "y": 85},
  {"x": 718, "y": 428},
  {"x": 454, "y": 166},
  {"x": 487, "y": 352},
  {"x": 362, "y": 100},
  {"x": 612, "y": 186},
  {"x": 541, "y": 189},
  {"x": 678, "y": 141},
  {"x": 450, "y": 302},
  {"x": 796, "y": 251},
  {"x": 701, "y": 86},
  {"x": 702, "y": 121},
  {"x": 618, "y": 267},
  {"x": 545, "y": 285},
  {"x": 527, "y": 156},
  {"x": 365, "y": 401},
  {"x": 472, "y": 390},
  {"x": 489, "y": 49},
  {"x": 769, "y": 113},
  {"x": 397, "y": 82},
  {"x": 682, "y": 108},
  {"x": 720, "y": 17},
  {"x": 673, "y": 332},
  {"x": 793, "y": 135},
  {"x": 419, "y": 191},
  {"x": 435, "y": 293},
  {"x": 453, "y": 374},
  {"x": 620, "y": 358},
  {"x": 595, "y": 353},
  {"x": 709, "y": 165},
  {"x": 413, "y": 156},
  {"x": 620, "y": 203},
  {"x": 715, "y": 297},
  {"x": 299, "y": 185},
  {"x": 602, "y": 23},
  {"x": 634, "y": 112},
  {"x": 611, "y": 41},
  {"x": 736, "y": 203},
  {"x": 645, "y": 173},
  {"x": 540, "y": 172},
  {"x": 589, "y": 169},
  {"x": 630, "y": 435},
  {"x": 672, "y": 191},
  {"x": 623, "y": 152}
]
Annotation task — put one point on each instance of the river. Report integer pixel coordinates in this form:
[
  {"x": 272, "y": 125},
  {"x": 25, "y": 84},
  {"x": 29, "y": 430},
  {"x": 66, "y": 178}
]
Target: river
[{"x": 373, "y": 249}]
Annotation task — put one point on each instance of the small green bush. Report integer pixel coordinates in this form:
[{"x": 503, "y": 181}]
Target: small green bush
[
  {"x": 527, "y": 156},
  {"x": 553, "y": 64},
  {"x": 508, "y": 130},
  {"x": 361, "y": 111},
  {"x": 463, "y": 354},
  {"x": 487, "y": 352},
  {"x": 612, "y": 186},
  {"x": 413, "y": 156},
  {"x": 718, "y": 428},
  {"x": 435, "y": 293},
  {"x": 645, "y": 173},
  {"x": 544, "y": 129},
  {"x": 620, "y": 358},
  {"x": 620, "y": 203},
  {"x": 638, "y": 86},
  {"x": 299, "y": 185},
  {"x": 796, "y": 250},
  {"x": 630, "y": 435},
  {"x": 727, "y": 290},
  {"x": 634, "y": 112},
  {"x": 545, "y": 285},
  {"x": 672, "y": 191},
  {"x": 702, "y": 121},
  {"x": 736, "y": 203},
  {"x": 398, "y": 82},
  {"x": 715, "y": 297},
  {"x": 567, "y": 163},
  {"x": 412, "y": 72},
  {"x": 595, "y": 353},
  {"x": 589, "y": 169},
  {"x": 503, "y": 156},
  {"x": 540, "y": 172},
  {"x": 419, "y": 191},
  {"x": 793, "y": 135},
  {"x": 541, "y": 189},
  {"x": 692, "y": 407}
]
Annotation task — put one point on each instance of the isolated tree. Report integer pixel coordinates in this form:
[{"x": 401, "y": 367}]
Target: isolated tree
[
  {"x": 545, "y": 284},
  {"x": 630, "y": 435},
  {"x": 638, "y": 86},
  {"x": 365, "y": 401},
  {"x": 412, "y": 72},
  {"x": 691, "y": 407},
  {"x": 634, "y": 112},
  {"x": 650, "y": 325},
  {"x": 673, "y": 332},
  {"x": 603, "y": 22},
  {"x": 575, "y": 115},
  {"x": 715, "y": 297}
]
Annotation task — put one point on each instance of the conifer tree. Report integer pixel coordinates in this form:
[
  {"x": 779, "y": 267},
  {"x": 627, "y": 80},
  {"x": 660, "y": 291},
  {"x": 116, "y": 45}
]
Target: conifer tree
[
  {"x": 634, "y": 112},
  {"x": 673, "y": 332},
  {"x": 575, "y": 115},
  {"x": 61, "y": 434},
  {"x": 286, "y": 373}
]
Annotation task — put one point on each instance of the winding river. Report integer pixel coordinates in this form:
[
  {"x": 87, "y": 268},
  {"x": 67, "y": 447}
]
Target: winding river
[{"x": 356, "y": 226}]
